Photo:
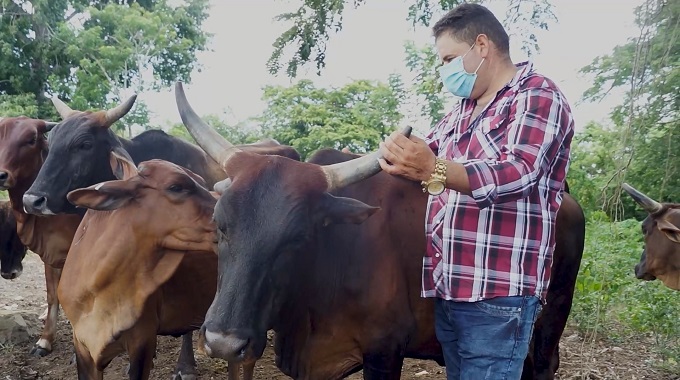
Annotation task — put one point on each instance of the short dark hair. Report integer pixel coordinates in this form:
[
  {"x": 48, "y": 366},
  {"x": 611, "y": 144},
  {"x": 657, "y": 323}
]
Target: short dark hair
[{"x": 466, "y": 21}]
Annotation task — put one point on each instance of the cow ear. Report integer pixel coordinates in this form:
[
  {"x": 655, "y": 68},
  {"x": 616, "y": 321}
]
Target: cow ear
[
  {"x": 105, "y": 196},
  {"x": 342, "y": 210},
  {"x": 197, "y": 178},
  {"x": 672, "y": 231},
  {"x": 121, "y": 164}
]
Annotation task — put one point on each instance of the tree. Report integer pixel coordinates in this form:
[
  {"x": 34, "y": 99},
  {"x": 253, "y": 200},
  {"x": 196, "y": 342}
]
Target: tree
[
  {"x": 90, "y": 51},
  {"x": 316, "y": 20},
  {"x": 358, "y": 115},
  {"x": 240, "y": 133},
  {"x": 647, "y": 123}
]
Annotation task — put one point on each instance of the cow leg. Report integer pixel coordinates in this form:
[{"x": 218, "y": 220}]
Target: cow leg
[
  {"x": 186, "y": 364},
  {"x": 44, "y": 344},
  {"x": 141, "y": 359},
  {"x": 87, "y": 370},
  {"x": 248, "y": 369},
  {"x": 383, "y": 366}
]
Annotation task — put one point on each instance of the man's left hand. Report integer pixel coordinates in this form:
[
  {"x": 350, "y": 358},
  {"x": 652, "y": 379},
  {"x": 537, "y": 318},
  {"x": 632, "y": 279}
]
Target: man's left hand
[{"x": 409, "y": 157}]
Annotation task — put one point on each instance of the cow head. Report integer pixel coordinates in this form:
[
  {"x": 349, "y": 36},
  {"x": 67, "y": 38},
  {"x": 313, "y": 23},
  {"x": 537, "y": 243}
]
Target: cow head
[
  {"x": 661, "y": 254},
  {"x": 78, "y": 156},
  {"x": 269, "y": 213},
  {"x": 22, "y": 149},
  {"x": 12, "y": 251},
  {"x": 157, "y": 199}
]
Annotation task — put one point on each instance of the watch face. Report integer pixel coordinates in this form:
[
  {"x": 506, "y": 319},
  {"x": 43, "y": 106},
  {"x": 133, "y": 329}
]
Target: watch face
[{"x": 435, "y": 188}]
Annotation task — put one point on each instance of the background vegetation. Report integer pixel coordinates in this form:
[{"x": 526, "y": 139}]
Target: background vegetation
[{"x": 93, "y": 53}]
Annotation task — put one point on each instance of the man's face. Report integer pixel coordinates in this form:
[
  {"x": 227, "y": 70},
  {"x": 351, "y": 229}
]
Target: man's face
[{"x": 449, "y": 48}]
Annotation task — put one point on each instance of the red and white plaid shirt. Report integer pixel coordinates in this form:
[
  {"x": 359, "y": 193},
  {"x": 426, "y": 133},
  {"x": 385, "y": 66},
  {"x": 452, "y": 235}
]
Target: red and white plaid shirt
[{"x": 499, "y": 241}]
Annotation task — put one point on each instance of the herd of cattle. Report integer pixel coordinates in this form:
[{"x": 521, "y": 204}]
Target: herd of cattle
[{"x": 327, "y": 253}]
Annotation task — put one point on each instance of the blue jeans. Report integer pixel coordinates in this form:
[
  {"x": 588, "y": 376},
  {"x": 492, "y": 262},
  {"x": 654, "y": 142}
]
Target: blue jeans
[{"x": 487, "y": 339}]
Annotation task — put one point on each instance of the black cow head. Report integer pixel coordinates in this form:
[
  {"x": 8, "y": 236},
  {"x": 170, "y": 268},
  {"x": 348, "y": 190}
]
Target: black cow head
[{"x": 79, "y": 149}]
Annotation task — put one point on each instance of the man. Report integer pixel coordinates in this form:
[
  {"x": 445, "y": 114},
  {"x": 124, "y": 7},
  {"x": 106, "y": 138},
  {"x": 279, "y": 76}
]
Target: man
[{"x": 495, "y": 168}]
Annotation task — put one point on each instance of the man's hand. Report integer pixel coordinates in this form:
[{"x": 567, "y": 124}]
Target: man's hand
[{"x": 410, "y": 157}]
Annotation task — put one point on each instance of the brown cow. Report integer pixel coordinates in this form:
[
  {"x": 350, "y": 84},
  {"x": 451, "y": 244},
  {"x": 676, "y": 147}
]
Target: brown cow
[
  {"x": 661, "y": 254},
  {"x": 340, "y": 297},
  {"x": 142, "y": 263},
  {"x": 12, "y": 250},
  {"x": 22, "y": 150}
]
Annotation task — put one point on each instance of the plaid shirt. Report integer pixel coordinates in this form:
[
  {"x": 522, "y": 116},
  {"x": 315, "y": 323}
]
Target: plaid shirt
[{"x": 500, "y": 240}]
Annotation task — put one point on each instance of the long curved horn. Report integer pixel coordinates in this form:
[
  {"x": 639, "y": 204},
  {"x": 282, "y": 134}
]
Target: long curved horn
[
  {"x": 114, "y": 114},
  {"x": 63, "y": 110},
  {"x": 649, "y": 204},
  {"x": 346, "y": 173},
  {"x": 206, "y": 137}
]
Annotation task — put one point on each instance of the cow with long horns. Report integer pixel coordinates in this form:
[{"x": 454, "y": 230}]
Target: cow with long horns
[
  {"x": 661, "y": 228},
  {"x": 303, "y": 252}
]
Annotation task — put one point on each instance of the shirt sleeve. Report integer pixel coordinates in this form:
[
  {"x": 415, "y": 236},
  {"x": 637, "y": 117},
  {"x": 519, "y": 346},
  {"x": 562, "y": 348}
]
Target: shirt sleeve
[{"x": 537, "y": 129}]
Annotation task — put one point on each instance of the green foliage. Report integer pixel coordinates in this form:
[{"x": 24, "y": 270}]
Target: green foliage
[
  {"x": 241, "y": 133},
  {"x": 316, "y": 20},
  {"x": 86, "y": 52},
  {"x": 18, "y": 105},
  {"x": 611, "y": 302},
  {"x": 643, "y": 147},
  {"x": 359, "y": 115}
]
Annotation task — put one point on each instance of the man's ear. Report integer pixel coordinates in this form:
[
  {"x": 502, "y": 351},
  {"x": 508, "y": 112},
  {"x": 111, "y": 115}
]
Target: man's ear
[
  {"x": 341, "y": 210},
  {"x": 121, "y": 164},
  {"x": 105, "y": 196}
]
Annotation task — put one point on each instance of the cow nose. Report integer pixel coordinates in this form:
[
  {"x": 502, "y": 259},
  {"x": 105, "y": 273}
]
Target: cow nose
[
  {"x": 35, "y": 204},
  {"x": 227, "y": 346},
  {"x": 3, "y": 176},
  {"x": 11, "y": 275}
]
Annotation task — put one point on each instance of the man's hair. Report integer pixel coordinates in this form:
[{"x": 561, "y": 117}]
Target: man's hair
[{"x": 467, "y": 21}]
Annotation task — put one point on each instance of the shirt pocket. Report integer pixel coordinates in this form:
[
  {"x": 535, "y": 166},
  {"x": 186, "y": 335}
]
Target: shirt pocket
[{"x": 489, "y": 138}]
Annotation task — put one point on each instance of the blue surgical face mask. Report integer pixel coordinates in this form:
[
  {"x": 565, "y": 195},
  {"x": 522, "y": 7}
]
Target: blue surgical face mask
[{"x": 454, "y": 77}]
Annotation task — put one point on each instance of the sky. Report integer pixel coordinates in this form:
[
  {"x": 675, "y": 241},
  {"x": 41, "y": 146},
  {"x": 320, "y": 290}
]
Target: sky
[{"x": 370, "y": 46}]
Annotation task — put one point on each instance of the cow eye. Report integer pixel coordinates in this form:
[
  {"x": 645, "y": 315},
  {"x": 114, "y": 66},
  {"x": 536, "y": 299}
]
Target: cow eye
[
  {"x": 86, "y": 145},
  {"x": 175, "y": 188},
  {"x": 31, "y": 142}
]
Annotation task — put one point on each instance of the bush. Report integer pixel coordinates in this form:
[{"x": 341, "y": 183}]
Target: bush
[{"x": 611, "y": 302}]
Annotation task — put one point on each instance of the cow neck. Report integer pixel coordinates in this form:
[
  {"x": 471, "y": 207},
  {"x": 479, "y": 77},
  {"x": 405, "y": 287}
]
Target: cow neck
[{"x": 47, "y": 236}]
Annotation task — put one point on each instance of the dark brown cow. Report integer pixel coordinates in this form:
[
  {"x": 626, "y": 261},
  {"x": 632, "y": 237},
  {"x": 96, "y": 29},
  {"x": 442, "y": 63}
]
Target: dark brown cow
[
  {"x": 292, "y": 258},
  {"x": 661, "y": 254},
  {"x": 22, "y": 151},
  {"x": 142, "y": 263},
  {"x": 12, "y": 250}
]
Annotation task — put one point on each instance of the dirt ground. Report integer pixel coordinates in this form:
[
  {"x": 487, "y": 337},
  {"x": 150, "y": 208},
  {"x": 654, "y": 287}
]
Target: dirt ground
[{"x": 592, "y": 360}]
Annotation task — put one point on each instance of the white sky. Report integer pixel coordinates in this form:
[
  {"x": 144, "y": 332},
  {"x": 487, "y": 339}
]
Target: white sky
[{"x": 370, "y": 46}]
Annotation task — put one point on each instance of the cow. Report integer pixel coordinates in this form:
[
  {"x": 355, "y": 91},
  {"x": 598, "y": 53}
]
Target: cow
[
  {"x": 302, "y": 252},
  {"x": 661, "y": 229},
  {"x": 142, "y": 263},
  {"x": 79, "y": 154},
  {"x": 12, "y": 250},
  {"x": 22, "y": 152}
]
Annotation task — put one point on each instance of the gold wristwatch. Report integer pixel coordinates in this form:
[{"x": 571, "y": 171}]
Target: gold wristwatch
[{"x": 437, "y": 182}]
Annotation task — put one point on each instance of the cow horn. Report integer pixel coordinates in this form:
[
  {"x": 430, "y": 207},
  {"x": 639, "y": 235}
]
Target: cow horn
[
  {"x": 114, "y": 114},
  {"x": 346, "y": 173},
  {"x": 649, "y": 204},
  {"x": 63, "y": 110},
  {"x": 206, "y": 137}
]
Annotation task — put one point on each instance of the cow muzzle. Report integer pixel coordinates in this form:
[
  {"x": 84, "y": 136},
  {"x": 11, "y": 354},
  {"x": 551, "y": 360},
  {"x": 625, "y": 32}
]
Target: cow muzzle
[
  {"x": 11, "y": 275},
  {"x": 641, "y": 274},
  {"x": 6, "y": 180},
  {"x": 36, "y": 204},
  {"x": 231, "y": 346}
]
